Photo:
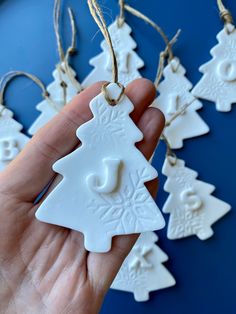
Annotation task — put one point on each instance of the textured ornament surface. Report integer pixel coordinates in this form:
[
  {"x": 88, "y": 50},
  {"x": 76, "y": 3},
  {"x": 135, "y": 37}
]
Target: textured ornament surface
[
  {"x": 142, "y": 270},
  {"x": 102, "y": 193},
  {"x": 58, "y": 95},
  {"x": 174, "y": 95},
  {"x": 218, "y": 83},
  {"x": 190, "y": 204},
  {"x": 128, "y": 60},
  {"x": 12, "y": 141}
]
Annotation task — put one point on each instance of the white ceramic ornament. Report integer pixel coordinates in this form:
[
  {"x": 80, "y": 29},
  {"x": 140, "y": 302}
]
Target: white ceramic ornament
[
  {"x": 190, "y": 204},
  {"x": 218, "y": 83},
  {"x": 128, "y": 60},
  {"x": 174, "y": 95},
  {"x": 49, "y": 109},
  {"x": 12, "y": 141},
  {"x": 102, "y": 193},
  {"x": 142, "y": 270}
]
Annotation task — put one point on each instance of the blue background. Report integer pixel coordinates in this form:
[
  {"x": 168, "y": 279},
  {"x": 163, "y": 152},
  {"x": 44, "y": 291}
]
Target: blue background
[{"x": 205, "y": 271}]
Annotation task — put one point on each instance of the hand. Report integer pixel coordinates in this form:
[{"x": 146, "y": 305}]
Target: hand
[{"x": 45, "y": 268}]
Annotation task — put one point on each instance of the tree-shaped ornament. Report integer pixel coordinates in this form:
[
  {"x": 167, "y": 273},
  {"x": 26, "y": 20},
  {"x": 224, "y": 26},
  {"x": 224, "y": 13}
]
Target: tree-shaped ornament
[
  {"x": 128, "y": 61},
  {"x": 61, "y": 91},
  {"x": 218, "y": 83},
  {"x": 174, "y": 95},
  {"x": 103, "y": 191},
  {"x": 65, "y": 86},
  {"x": 143, "y": 270},
  {"x": 12, "y": 141},
  {"x": 190, "y": 204}
]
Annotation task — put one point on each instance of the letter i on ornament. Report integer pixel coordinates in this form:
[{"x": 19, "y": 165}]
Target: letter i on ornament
[
  {"x": 190, "y": 204},
  {"x": 63, "y": 88},
  {"x": 12, "y": 141},
  {"x": 143, "y": 270},
  {"x": 174, "y": 94},
  {"x": 128, "y": 61},
  {"x": 218, "y": 83}
]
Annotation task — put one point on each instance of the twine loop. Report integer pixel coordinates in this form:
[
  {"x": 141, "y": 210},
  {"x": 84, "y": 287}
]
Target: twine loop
[
  {"x": 225, "y": 14},
  {"x": 106, "y": 94},
  {"x": 64, "y": 57},
  {"x": 9, "y": 76},
  {"x": 97, "y": 14}
]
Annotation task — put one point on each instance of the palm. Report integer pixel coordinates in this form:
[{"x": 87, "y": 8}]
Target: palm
[{"x": 45, "y": 268}]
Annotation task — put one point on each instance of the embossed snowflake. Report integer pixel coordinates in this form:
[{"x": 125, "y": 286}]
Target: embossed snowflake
[{"x": 128, "y": 209}]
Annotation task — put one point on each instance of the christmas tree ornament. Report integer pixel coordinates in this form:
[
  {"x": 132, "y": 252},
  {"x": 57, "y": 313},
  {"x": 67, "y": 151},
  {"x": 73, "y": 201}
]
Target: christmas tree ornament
[
  {"x": 107, "y": 196},
  {"x": 12, "y": 140},
  {"x": 190, "y": 204},
  {"x": 124, "y": 45},
  {"x": 218, "y": 83},
  {"x": 174, "y": 92},
  {"x": 65, "y": 86},
  {"x": 143, "y": 270}
]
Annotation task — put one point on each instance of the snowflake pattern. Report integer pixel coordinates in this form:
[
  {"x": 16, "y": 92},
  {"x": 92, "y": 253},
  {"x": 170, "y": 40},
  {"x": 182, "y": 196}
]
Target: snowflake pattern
[
  {"x": 110, "y": 123},
  {"x": 128, "y": 209}
]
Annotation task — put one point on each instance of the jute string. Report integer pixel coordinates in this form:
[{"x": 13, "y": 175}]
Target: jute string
[
  {"x": 171, "y": 156},
  {"x": 97, "y": 14},
  {"x": 163, "y": 56},
  {"x": 153, "y": 24},
  {"x": 10, "y": 76},
  {"x": 121, "y": 18},
  {"x": 167, "y": 53},
  {"x": 63, "y": 67},
  {"x": 225, "y": 14}
]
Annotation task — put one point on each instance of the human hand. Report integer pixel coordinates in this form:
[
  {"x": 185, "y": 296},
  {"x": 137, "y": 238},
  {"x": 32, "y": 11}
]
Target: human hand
[{"x": 45, "y": 268}]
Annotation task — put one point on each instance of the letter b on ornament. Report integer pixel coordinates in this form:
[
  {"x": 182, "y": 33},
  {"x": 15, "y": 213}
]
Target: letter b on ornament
[{"x": 8, "y": 149}]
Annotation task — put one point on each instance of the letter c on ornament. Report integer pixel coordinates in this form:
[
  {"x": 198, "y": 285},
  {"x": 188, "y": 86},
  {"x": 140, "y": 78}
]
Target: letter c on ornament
[
  {"x": 110, "y": 178},
  {"x": 190, "y": 199},
  {"x": 227, "y": 70}
]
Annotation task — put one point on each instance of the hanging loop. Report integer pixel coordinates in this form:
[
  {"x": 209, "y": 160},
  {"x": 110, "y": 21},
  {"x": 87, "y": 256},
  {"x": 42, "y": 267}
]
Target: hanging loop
[
  {"x": 8, "y": 77},
  {"x": 110, "y": 100}
]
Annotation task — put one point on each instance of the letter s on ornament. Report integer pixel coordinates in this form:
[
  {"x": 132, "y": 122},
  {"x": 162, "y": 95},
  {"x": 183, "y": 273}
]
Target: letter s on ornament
[{"x": 190, "y": 199}]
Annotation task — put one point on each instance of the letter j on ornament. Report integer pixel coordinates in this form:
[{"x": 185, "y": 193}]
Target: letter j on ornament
[{"x": 103, "y": 192}]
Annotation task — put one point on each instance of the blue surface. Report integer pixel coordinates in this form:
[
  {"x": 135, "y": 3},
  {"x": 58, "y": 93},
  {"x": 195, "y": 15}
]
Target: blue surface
[{"x": 205, "y": 271}]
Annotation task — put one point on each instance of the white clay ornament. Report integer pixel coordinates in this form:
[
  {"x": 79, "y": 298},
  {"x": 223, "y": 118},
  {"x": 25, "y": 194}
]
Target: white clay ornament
[
  {"x": 103, "y": 191},
  {"x": 12, "y": 141},
  {"x": 143, "y": 270},
  {"x": 190, "y": 204},
  {"x": 174, "y": 95},
  {"x": 218, "y": 83},
  {"x": 128, "y": 61},
  {"x": 59, "y": 96}
]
